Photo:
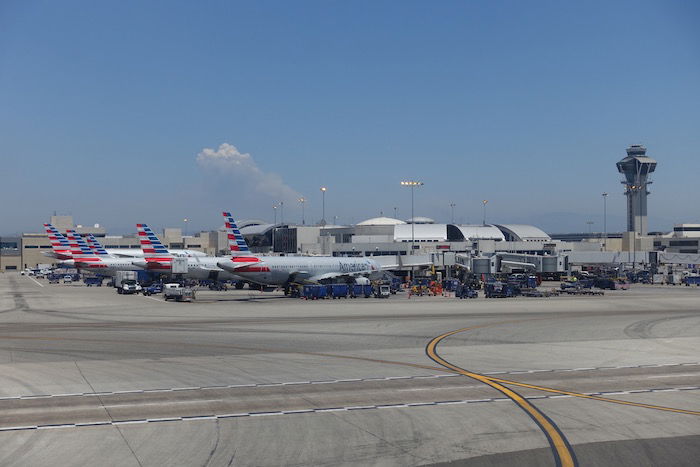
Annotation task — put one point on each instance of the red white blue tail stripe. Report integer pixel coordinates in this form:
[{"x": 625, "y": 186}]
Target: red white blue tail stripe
[
  {"x": 82, "y": 253},
  {"x": 59, "y": 243},
  {"x": 154, "y": 252},
  {"x": 95, "y": 245},
  {"x": 236, "y": 241}
]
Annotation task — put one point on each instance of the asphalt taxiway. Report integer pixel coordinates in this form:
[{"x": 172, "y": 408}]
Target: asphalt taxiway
[{"x": 245, "y": 378}]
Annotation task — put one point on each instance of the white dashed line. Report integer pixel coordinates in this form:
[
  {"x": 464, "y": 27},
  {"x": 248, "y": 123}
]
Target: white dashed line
[
  {"x": 319, "y": 410},
  {"x": 346, "y": 380}
]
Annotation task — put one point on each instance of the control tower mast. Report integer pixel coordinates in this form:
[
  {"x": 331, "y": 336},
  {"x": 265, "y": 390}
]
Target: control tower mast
[{"x": 636, "y": 168}]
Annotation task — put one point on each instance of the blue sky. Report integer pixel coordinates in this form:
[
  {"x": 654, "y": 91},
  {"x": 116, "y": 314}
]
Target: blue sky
[{"x": 105, "y": 107}]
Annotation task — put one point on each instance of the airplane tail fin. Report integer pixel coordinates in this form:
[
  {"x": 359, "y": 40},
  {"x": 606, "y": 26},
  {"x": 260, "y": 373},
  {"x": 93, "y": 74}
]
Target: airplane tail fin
[
  {"x": 155, "y": 254},
  {"x": 96, "y": 245},
  {"x": 150, "y": 244},
  {"x": 80, "y": 250},
  {"x": 59, "y": 244},
  {"x": 236, "y": 242}
]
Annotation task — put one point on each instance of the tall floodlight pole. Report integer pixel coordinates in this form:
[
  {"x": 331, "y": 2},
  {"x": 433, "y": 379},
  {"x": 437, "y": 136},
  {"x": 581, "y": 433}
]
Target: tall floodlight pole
[
  {"x": 605, "y": 221},
  {"x": 185, "y": 221},
  {"x": 323, "y": 203},
  {"x": 485, "y": 202},
  {"x": 590, "y": 227},
  {"x": 274, "y": 209},
  {"x": 395, "y": 212},
  {"x": 302, "y": 200},
  {"x": 452, "y": 207},
  {"x": 281, "y": 212},
  {"x": 412, "y": 184}
]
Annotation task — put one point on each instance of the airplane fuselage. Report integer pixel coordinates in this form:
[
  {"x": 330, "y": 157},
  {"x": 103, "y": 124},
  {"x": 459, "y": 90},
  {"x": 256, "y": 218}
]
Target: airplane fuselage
[{"x": 282, "y": 270}]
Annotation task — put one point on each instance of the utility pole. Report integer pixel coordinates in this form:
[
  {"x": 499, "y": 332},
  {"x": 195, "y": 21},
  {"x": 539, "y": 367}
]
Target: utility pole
[
  {"x": 323, "y": 202},
  {"x": 605, "y": 221},
  {"x": 412, "y": 184}
]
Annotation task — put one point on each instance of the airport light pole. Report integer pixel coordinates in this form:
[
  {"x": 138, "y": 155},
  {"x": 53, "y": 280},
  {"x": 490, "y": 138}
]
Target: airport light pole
[
  {"x": 485, "y": 202},
  {"x": 605, "y": 221},
  {"x": 590, "y": 228},
  {"x": 395, "y": 212},
  {"x": 274, "y": 209},
  {"x": 302, "y": 200},
  {"x": 281, "y": 212},
  {"x": 185, "y": 221},
  {"x": 323, "y": 204},
  {"x": 412, "y": 184},
  {"x": 452, "y": 207}
]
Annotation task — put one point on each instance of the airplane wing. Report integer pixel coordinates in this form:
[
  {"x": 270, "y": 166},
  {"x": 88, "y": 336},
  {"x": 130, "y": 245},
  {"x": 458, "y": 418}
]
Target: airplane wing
[
  {"x": 333, "y": 275},
  {"x": 232, "y": 266},
  {"x": 122, "y": 255},
  {"x": 300, "y": 277}
]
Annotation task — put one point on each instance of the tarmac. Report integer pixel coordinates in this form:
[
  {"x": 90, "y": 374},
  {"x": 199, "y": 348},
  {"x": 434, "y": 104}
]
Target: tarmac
[{"x": 89, "y": 377}]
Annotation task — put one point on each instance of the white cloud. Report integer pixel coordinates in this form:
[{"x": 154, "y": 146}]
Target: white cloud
[{"x": 229, "y": 160}]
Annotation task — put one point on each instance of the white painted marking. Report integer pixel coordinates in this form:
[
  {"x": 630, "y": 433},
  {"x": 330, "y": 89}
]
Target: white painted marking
[
  {"x": 36, "y": 281},
  {"x": 672, "y": 376},
  {"x": 349, "y": 380},
  {"x": 304, "y": 411}
]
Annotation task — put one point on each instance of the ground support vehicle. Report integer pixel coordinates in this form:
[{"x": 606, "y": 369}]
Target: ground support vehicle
[
  {"x": 539, "y": 293},
  {"x": 178, "y": 293},
  {"x": 691, "y": 280},
  {"x": 464, "y": 291},
  {"x": 53, "y": 278},
  {"x": 153, "y": 289},
  {"x": 499, "y": 290},
  {"x": 128, "y": 287},
  {"x": 583, "y": 292},
  {"x": 382, "y": 291},
  {"x": 90, "y": 281}
]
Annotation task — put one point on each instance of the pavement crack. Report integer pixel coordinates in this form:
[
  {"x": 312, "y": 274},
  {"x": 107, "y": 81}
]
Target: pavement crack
[{"x": 104, "y": 407}]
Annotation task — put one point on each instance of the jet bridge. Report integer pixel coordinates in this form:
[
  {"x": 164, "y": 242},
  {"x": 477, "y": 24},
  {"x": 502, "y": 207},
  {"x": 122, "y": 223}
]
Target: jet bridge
[{"x": 510, "y": 262}]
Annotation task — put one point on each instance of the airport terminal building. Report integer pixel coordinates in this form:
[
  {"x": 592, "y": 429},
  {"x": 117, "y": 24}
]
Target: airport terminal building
[{"x": 404, "y": 244}]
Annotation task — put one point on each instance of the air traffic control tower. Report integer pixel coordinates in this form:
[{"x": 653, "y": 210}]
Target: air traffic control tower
[{"x": 636, "y": 168}]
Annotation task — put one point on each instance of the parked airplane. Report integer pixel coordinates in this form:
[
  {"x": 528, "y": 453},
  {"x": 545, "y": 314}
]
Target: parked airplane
[
  {"x": 286, "y": 270},
  {"x": 157, "y": 258},
  {"x": 83, "y": 257},
  {"x": 61, "y": 248},
  {"x": 59, "y": 244}
]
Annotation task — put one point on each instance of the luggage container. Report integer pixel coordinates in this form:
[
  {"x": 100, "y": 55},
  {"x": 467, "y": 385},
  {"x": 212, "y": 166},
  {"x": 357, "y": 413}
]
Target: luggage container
[
  {"x": 315, "y": 292},
  {"x": 339, "y": 290},
  {"x": 90, "y": 281}
]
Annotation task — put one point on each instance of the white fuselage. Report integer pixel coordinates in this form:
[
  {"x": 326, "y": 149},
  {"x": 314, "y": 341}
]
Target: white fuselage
[
  {"x": 206, "y": 267},
  {"x": 105, "y": 266},
  {"x": 282, "y": 270},
  {"x": 138, "y": 252}
]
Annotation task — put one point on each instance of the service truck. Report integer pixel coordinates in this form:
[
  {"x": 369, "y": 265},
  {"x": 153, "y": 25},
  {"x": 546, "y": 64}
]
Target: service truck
[{"x": 177, "y": 292}]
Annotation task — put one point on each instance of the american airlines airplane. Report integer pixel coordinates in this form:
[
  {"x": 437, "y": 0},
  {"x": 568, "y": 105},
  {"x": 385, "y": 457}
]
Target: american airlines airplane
[
  {"x": 286, "y": 270},
  {"x": 157, "y": 258},
  {"x": 83, "y": 257},
  {"x": 62, "y": 250}
]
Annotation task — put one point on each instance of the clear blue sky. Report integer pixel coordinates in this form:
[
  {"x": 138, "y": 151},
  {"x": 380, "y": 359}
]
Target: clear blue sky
[{"x": 104, "y": 107}]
